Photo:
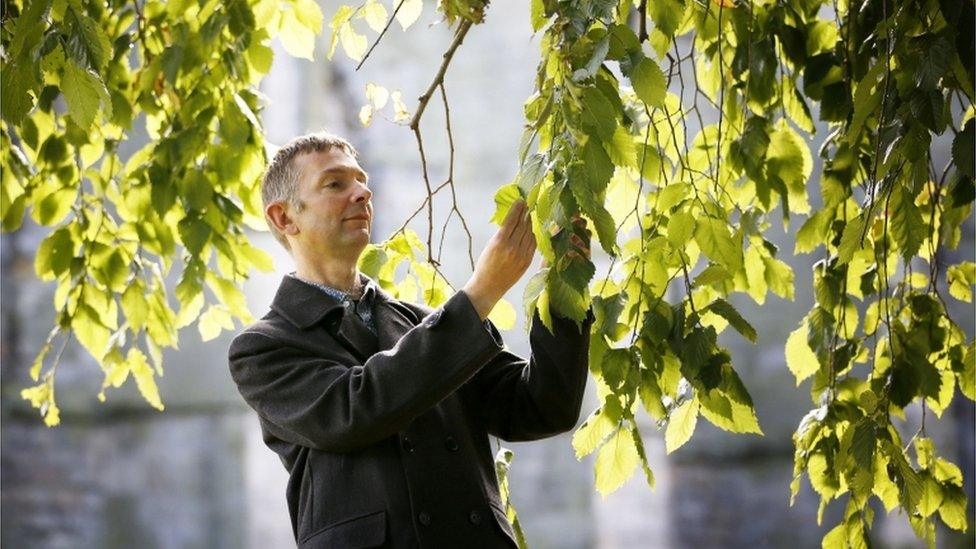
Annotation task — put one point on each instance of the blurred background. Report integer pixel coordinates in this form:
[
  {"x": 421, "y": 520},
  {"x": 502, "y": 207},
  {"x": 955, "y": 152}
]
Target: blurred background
[{"x": 120, "y": 474}]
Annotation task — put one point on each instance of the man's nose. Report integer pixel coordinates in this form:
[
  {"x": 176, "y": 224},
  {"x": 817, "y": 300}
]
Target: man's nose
[{"x": 364, "y": 194}]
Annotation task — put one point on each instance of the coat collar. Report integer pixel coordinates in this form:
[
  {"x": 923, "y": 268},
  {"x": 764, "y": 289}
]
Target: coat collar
[{"x": 304, "y": 306}]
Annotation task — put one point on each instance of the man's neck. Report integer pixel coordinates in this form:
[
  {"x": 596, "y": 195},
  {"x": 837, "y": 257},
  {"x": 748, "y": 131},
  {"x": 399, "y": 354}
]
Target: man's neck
[{"x": 341, "y": 276}]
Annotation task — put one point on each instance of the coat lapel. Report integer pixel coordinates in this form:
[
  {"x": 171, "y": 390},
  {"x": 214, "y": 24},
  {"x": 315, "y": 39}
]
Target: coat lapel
[{"x": 304, "y": 306}]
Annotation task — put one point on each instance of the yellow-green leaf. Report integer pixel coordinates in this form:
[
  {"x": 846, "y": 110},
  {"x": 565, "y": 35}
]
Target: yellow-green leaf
[
  {"x": 649, "y": 82},
  {"x": 375, "y": 15},
  {"x": 800, "y": 358},
  {"x": 681, "y": 424},
  {"x": 503, "y": 315},
  {"x": 715, "y": 241},
  {"x": 593, "y": 432},
  {"x": 145, "y": 378},
  {"x": 297, "y": 39},
  {"x": 615, "y": 462},
  {"x": 409, "y": 12}
]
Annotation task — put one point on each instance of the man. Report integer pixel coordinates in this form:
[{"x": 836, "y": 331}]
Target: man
[{"x": 380, "y": 409}]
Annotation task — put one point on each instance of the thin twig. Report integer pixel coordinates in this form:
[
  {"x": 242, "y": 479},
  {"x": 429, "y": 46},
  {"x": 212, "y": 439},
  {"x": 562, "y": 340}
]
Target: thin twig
[
  {"x": 439, "y": 77},
  {"x": 450, "y": 181},
  {"x": 382, "y": 32}
]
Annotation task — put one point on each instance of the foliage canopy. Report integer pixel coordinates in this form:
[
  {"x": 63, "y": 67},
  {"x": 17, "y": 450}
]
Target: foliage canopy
[{"x": 678, "y": 128}]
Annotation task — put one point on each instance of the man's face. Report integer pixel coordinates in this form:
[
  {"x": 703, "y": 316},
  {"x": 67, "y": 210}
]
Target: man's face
[{"x": 338, "y": 213}]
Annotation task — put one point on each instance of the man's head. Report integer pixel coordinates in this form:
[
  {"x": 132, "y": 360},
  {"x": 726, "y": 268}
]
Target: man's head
[{"x": 313, "y": 191}]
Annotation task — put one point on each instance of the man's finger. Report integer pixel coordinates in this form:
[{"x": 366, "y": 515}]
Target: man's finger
[
  {"x": 513, "y": 217},
  {"x": 525, "y": 226},
  {"x": 528, "y": 239}
]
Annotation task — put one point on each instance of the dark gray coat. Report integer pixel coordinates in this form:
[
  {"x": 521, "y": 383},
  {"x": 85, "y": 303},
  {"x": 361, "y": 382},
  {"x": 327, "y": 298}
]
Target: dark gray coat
[{"x": 386, "y": 438}]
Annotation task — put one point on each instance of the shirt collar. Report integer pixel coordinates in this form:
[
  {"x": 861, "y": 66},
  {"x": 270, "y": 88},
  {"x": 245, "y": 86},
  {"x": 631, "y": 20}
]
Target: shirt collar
[{"x": 369, "y": 288}]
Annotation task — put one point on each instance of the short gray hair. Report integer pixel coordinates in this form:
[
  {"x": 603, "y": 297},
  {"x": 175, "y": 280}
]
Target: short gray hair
[{"x": 281, "y": 180}]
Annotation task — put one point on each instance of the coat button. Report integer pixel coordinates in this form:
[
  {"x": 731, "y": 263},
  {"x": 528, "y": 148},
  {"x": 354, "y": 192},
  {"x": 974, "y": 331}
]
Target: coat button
[
  {"x": 407, "y": 445},
  {"x": 451, "y": 444},
  {"x": 475, "y": 517},
  {"x": 424, "y": 518}
]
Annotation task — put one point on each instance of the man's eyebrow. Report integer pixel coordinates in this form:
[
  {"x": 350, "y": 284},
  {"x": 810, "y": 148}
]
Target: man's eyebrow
[{"x": 341, "y": 170}]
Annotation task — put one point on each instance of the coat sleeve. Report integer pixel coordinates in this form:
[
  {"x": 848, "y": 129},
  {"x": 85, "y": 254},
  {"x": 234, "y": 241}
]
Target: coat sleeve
[
  {"x": 331, "y": 406},
  {"x": 520, "y": 400}
]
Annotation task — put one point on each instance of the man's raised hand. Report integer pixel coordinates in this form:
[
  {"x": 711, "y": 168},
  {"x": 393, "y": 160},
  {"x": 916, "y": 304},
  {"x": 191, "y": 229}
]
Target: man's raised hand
[{"x": 504, "y": 260}]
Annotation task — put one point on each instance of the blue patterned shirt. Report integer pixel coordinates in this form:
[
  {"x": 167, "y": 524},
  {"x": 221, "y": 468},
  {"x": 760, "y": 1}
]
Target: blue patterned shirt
[{"x": 362, "y": 306}]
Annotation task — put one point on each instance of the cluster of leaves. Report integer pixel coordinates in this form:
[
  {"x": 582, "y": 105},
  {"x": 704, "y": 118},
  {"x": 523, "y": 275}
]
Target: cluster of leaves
[
  {"x": 80, "y": 80},
  {"x": 893, "y": 77},
  {"x": 684, "y": 229},
  {"x": 681, "y": 206}
]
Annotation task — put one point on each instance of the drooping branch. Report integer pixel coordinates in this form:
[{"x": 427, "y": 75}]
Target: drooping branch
[{"x": 462, "y": 31}]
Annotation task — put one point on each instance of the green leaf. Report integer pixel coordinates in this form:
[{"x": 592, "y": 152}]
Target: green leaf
[
  {"x": 53, "y": 208},
  {"x": 16, "y": 83},
  {"x": 594, "y": 209},
  {"x": 615, "y": 366},
  {"x": 961, "y": 279},
  {"x": 298, "y": 40},
  {"x": 755, "y": 271},
  {"x": 931, "y": 495},
  {"x": 850, "y": 240},
  {"x": 194, "y": 233},
  {"x": 681, "y": 424},
  {"x": 953, "y": 508},
  {"x": 505, "y": 196},
  {"x": 800, "y": 359},
  {"x": 538, "y": 15},
  {"x": 84, "y": 92},
  {"x": 788, "y": 157},
  {"x": 597, "y": 167},
  {"x": 779, "y": 277},
  {"x": 375, "y": 15},
  {"x": 599, "y": 114},
  {"x": 409, "y": 12},
  {"x": 715, "y": 241},
  {"x": 962, "y": 149},
  {"x": 54, "y": 254},
  {"x": 666, "y": 15},
  {"x": 728, "y": 312},
  {"x": 649, "y": 82},
  {"x": 836, "y": 538},
  {"x": 86, "y": 43},
  {"x": 907, "y": 225},
  {"x": 622, "y": 149},
  {"x": 681, "y": 225},
  {"x": 145, "y": 378},
  {"x": 134, "y": 305},
  {"x": 502, "y": 315},
  {"x": 616, "y": 462},
  {"x": 90, "y": 330},
  {"x": 594, "y": 431}
]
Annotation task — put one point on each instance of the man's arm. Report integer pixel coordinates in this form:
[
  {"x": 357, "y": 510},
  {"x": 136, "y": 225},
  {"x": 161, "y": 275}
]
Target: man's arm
[
  {"x": 322, "y": 404},
  {"x": 528, "y": 400},
  {"x": 520, "y": 399}
]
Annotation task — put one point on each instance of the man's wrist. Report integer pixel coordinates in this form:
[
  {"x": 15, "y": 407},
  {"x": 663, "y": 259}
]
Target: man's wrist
[{"x": 482, "y": 304}]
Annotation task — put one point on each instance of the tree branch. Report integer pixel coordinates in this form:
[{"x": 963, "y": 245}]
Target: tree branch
[{"x": 439, "y": 77}]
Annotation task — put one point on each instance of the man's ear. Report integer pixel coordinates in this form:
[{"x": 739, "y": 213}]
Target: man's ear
[{"x": 278, "y": 215}]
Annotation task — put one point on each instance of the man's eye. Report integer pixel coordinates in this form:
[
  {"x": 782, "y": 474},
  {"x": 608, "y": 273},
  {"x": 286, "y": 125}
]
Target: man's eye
[{"x": 332, "y": 184}]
